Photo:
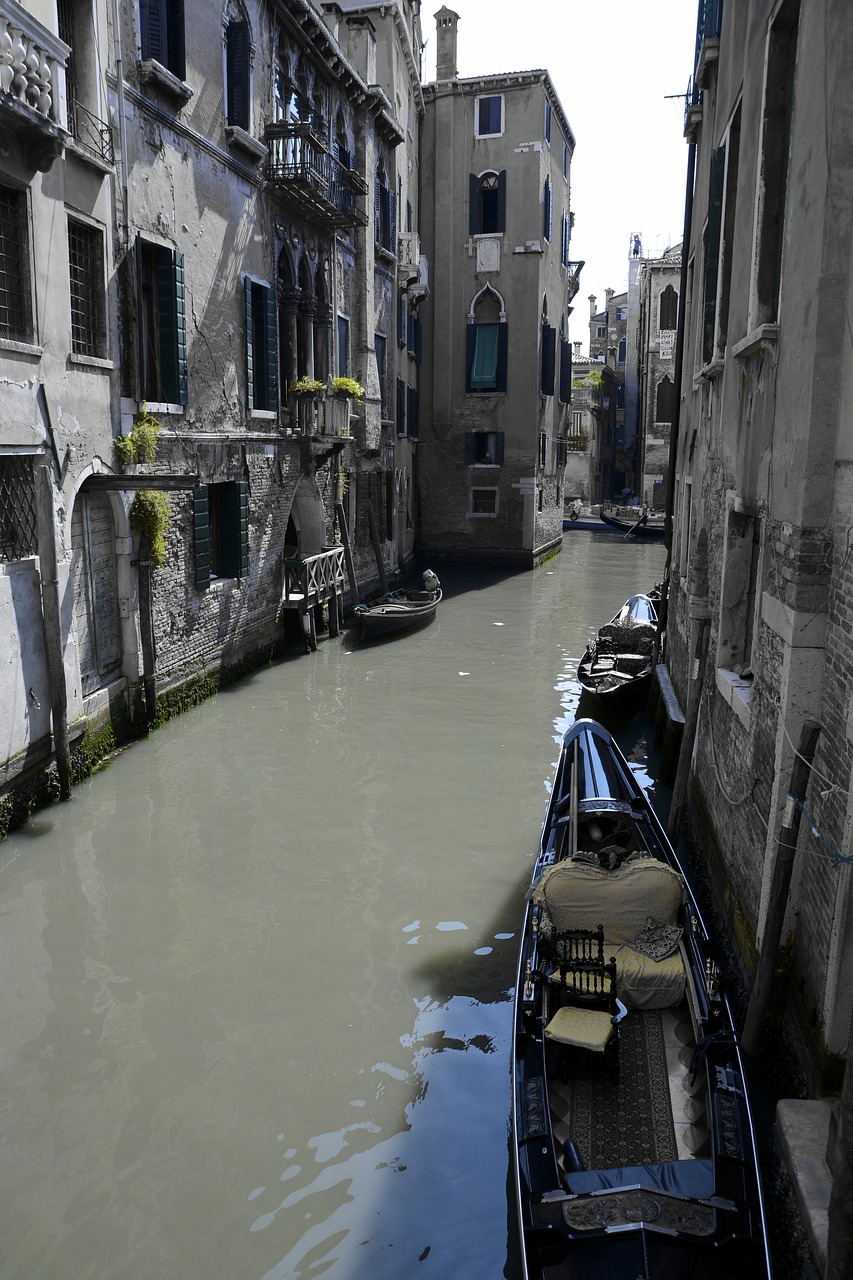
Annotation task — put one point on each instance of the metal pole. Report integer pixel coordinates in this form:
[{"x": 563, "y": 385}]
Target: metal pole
[{"x": 779, "y": 887}]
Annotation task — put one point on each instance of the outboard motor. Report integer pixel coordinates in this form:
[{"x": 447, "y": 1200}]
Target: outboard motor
[{"x": 431, "y": 582}]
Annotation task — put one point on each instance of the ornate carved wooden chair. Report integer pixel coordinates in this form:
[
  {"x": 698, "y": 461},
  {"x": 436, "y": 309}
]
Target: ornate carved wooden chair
[{"x": 583, "y": 986}]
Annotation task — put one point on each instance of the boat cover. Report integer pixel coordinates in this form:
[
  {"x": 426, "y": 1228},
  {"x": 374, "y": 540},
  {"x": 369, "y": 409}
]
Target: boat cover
[{"x": 691, "y": 1178}]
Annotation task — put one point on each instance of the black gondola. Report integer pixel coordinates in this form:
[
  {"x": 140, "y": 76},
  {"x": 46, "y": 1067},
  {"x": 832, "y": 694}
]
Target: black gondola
[
  {"x": 400, "y": 610},
  {"x": 618, "y": 663},
  {"x": 635, "y": 1157},
  {"x": 643, "y": 525}
]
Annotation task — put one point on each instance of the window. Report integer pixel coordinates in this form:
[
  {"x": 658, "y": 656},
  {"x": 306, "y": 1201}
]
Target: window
[
  {"x": 601, "y": 331},
  {"x": 565, "y": 369},
  {"x": 489, "y": 116},
  {"x": 484, "y": 502},
  {"x": 577, "y": 423},
  {"x": 547, "y": 209},
  {"x": 727, "y": 242},
  {"x": 547, "y": 122},
  {"x": 161, "y": 25},
  {"x": 221, "y": 523},
  {"x": 548, "y": 359},
  {"x": 380, "y": 346},
  {"x": 413, "y": 412},
  {"x": 162, "y": 323},
  {"x": 668, "y": 309},
  {"x": 15, "y": 302},
  {"x": 402, "y": 319},
  {"x": 484, "y": 448},
  {"x": 401, "y": 407},
  {"x": 18, "y": 528},
  {"x": 622, "y": 351},
  {"x": 343, "y": 346},
  {"x": 86, "y": 285},
  {"x": 712, "y": 252},
  {"x": 261, "y": 387},
  {"x": 487, "y": 356},
  {"x": 775, "y": 147},
  {"x": 487, "y": 212},
  {"x": 384, "y": 213},
  {"x": 237, "y": 84},
  {"x": 665, "y": 401}
]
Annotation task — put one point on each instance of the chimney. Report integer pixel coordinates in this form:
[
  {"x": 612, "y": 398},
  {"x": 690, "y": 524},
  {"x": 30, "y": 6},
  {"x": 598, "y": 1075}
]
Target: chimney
[
  {"x": 577, "y": 350},
  {"x": 445, "y": 22},
  {"x": 592, "y": 301},
  {"x": 608, "y": 296}
]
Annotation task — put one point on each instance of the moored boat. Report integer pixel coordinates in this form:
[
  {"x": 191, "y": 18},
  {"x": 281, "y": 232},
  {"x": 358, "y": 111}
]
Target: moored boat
[
  {"x": 642, "y": 525},
  {"x": 633, "y": 1143},
  {"x": 400, "y": 610},
  {"x": 619, "y": 661}
]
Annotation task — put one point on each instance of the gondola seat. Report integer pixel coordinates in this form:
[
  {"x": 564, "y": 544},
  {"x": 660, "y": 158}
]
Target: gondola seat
[{"x": 576, "y": 894}]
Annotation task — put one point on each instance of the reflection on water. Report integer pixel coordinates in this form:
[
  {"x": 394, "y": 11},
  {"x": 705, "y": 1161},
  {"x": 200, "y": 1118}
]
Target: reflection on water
[{"x": 255, "y": 1013}]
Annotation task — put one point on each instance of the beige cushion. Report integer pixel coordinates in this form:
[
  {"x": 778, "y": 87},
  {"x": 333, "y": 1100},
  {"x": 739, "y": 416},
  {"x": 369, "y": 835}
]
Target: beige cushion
[
  {"x": 583, "y": 1028},
  {"x": 643, "y": 983},
  {"x": 578, "y": 895}
]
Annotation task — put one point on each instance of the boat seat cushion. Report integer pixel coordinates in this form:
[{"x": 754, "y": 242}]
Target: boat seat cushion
[
  {"x": 581, "y": 1028},
  {"x": 578, "y": 895}
]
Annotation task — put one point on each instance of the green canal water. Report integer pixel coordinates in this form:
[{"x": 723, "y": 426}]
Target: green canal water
[{"x": 255, "y": 1010}]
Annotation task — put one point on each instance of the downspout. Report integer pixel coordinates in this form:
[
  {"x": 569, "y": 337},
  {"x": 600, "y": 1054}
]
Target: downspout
[{"x": 122, "y": 123}]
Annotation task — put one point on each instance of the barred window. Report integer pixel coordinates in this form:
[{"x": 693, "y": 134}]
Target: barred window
[
  {"x": 17, "y": 509},
  {"x": 15, "y": 308},
  {"x": 86, "y": 272}
]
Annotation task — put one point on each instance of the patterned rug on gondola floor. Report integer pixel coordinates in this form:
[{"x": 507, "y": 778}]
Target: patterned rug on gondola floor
[{"x": 629, "y": 1122}]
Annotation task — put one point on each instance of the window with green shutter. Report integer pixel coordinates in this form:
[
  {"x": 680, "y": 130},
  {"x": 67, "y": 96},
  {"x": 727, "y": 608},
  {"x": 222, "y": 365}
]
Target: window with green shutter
[
  {"x": 237, "y": 74},
  {"x": 162, "y": 324},
  {"x": 161, "y": 24},
  {"x": 221, "y": 523},
  {"x": 261, "y": 363}
]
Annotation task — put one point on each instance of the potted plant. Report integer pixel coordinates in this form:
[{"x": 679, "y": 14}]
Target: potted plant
[
  {"x": 348, "y": 389},
  {"x": 338, "y": 405},
  {"x": 307, "y": 392},
  {"x": 307, "y": 388}
]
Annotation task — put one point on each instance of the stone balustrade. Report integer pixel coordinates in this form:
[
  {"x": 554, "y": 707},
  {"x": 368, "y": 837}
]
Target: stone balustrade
[{"x": 32, "y": 65}]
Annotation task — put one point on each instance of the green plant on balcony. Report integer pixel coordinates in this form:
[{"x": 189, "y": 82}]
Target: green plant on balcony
[
  {"x": 577, "y": 442},
  {"x": 151, "y": 516},
  {"x": 141, "y": 444},
  {"x": 592, "y": 379},
  {"x": 349, "y": 388},
  {"x": 309, "y": 388}
]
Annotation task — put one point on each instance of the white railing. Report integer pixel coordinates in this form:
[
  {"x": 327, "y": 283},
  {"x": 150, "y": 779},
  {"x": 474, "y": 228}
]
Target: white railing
[
  {"x": 314, "y": 579},
  {"x": 32, "y": 64}
]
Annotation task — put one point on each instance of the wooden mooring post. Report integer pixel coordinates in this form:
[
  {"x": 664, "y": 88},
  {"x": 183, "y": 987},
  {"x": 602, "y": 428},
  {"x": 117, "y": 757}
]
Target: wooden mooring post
[{"x": 50, "y": 605}]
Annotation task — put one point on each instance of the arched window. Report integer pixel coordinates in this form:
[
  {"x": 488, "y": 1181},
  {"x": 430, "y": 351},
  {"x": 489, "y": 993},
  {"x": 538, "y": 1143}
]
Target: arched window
[
  {"x": 487, "y": 343},
  {"x": 665, "y": 401},
  {"x": 238, "y": 102},
  {"x": 487, "y": 203},
  {"x": 384, "y": 228},
  {"x": 668, "y": 315},
  {"x": 623, "y": 351},
  {"x": 547, "y": 209}
]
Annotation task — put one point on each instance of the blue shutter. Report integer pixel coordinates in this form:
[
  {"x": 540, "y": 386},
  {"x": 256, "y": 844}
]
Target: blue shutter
[
  {"x": 502, "y": 200},
  {"x": 549, "y": 342},
  {"x": 503, "y": 357},
  {"x": 413, "y": 413},
  {"x": 401, "y": 319},
  {"x": 177, "y": 61},
  {"x": 250, "y": 361},
  {"x": 473, "y": 204},
  {"x": 546, "y": 207},
  {"x": 565, "y": 371},
  {"x": 417, "y": 337},
  {"x": 152, "y": 22},
  {"x": 201, "y": 530},
  {"x": 237, "y": 73},
  {"x": 271, "y": 349},
  {"x": 401, "y": 407}
]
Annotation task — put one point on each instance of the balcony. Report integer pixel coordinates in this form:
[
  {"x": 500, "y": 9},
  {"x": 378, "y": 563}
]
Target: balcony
[
  {"x": 90, "y": 133},
  {"x": 32, "y": 84},
  {"x": 304, "y": 174}
]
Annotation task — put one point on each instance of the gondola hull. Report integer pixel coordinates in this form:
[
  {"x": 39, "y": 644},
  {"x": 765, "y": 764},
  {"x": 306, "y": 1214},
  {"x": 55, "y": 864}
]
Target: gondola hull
[
  {"x": 397, "y": 611},
  {"x": 620, "y": 670},
  {"x": 641, "y": 527},
  {"x": 603, "y": 1188}
]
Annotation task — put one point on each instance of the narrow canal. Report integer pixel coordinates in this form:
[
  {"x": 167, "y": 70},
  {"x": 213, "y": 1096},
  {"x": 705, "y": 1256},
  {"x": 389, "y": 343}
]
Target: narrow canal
[{"x": 255, "y": 1008}]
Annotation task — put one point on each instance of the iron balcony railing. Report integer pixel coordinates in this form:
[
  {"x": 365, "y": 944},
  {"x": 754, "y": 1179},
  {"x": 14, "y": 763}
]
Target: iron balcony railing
[
  {"x": 90, "y": 132},
  {"x": 303, "y": 171},
  {"x": 709, "y": 22}
]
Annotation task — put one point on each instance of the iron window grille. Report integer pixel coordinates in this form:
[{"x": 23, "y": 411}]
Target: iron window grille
[
  {"x": 15, "y": 304},
  {"x": 86, "y": 279},
  {"x": 18, "y": 530}
]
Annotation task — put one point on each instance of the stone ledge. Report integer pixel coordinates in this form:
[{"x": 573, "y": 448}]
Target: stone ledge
[{"x": 803, "y": 1129}]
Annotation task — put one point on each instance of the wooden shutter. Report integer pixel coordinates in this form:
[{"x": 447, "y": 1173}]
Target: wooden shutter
[
  {"x": 168, "y": 314},
  {"x": 473, "y": 204},
  {"x": 401, "y": 407},
  {"x": 152, "y": 22},
  {"x": 549, "y": 341},
  {"x": 140, "y": 326},
  {"x": 201, "y": 530},
  {"x": 181, "y": 329},
  {"x": 176, "y": 54},
  {"x": 271, "y": 349},
  {"x": 503, "y": 356},
  {"x": 243, "y": 488},
  {"x": 237, "y": 73},
  {"x": 413, "y": 413},
  {"x": 418, "y": 330},
  {"x": 712, "y": 251},
  {"x": 499, "y": 448},
  {"x": 565, "y": 371},
  {"x": 250, "y": 356},
  {"x": 469, "y": 448},
  {"x": 401, "y": 318},
  {"x": 502, "y": 200},
  {"x": 234, "y": 552}
]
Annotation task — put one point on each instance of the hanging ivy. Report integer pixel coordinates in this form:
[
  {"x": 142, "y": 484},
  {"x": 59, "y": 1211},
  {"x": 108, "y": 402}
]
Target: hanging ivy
[
  {"x": 151, "y": 515},
  {"x": 141, "y": 444}
]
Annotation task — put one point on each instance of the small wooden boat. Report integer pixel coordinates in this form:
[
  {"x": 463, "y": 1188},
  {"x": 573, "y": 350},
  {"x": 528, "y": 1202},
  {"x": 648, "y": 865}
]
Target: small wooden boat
[
  {"x": 400, "y": 610},
  {"x": 643, "y": 525},
  {"x": 618, "y": 662},
  {"x": 633, "y": 1143}
]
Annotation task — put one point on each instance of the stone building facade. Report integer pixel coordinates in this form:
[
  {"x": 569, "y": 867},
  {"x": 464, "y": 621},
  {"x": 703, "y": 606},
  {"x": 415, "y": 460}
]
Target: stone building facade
[
  {"x": 608, "y": 346},
  {"x": 759, "y": 637},
  {"x": 658, "y": 286},
  {"x": 209, "y": 209},
  {"x": 496, "y": 161}
]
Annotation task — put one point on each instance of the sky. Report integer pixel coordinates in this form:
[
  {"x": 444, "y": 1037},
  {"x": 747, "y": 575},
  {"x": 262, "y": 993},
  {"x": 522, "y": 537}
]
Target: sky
[{"x": 612, "y": 63}]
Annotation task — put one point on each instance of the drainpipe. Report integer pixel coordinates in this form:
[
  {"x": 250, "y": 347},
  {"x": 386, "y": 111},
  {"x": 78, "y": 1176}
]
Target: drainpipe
[
  {"x": 122, "y": 123},
  {"x": 51, "y": 614}
]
